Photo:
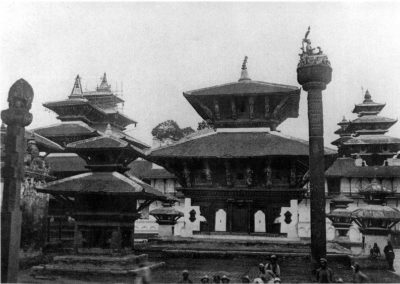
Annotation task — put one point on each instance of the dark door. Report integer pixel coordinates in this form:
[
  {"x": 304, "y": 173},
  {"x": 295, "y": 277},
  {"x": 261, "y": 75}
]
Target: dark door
[{"x": 240, "y": 219}]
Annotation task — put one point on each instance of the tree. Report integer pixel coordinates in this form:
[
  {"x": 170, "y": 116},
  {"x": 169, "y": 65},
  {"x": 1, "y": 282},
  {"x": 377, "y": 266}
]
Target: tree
[
  {"x": 169, "y": 129},
  {"x": 187, "y": 130},
  {"x": 203, "y": 125}
]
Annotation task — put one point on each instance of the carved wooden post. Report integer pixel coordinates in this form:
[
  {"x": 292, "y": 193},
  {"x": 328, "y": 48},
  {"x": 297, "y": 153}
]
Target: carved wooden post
[
  {"x": 233, "y": 107},
  {"x": 16, "y": 117},
  {"x": 314, "y": 73}
]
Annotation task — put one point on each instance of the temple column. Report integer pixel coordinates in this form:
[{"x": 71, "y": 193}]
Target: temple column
[
  {"x": 233, "y": 108},
  {"x": 266, "y": 107},
  {"x": 216, "y": 109},
  {"x": 251, "y": 107},
  {"x": 314, "y": 73},
  {"x": 16, "y": 117}
]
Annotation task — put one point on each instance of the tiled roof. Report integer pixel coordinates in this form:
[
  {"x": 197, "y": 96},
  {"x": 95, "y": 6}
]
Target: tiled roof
[
  {"x": 43, "y": 143},
  {"x": 110, "y": 183},
  {"x": 144, "y": 170},
  {"x": 372, "y": 139},
  {"x": 244, "y": 87},
  {"x": 236, "y": 144},
  {"x": 373, "y": 119},
  {"x": 98, "y": 142},
  {"x": 66, "y": 129},
  {"x": 346, "y": 167},
  {"x": 67, "y": 162}
]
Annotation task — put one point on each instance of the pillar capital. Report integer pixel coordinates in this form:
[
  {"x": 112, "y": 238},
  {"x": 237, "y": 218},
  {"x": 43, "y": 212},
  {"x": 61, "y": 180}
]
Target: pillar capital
[{"x": 20, "y": 98}]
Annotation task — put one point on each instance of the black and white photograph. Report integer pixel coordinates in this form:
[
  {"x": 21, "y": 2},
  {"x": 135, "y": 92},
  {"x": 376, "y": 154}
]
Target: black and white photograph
[{"x": 200, "y": 142}]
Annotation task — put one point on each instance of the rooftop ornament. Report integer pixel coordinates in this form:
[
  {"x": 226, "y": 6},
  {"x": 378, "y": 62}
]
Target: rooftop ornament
[
  {"x": 314, "y": 66},
  {"x": 244, "y": 76}
]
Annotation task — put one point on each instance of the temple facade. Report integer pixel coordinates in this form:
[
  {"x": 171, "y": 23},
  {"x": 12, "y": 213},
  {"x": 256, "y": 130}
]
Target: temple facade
[
  {"x": 241, "y": 176},
  {"x": 367, "y": 156}
]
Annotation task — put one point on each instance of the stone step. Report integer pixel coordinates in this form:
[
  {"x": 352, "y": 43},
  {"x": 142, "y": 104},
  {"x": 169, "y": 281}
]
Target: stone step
[
  {"x": 88, "y": 270},
  {"x": 101, "y": 260}
]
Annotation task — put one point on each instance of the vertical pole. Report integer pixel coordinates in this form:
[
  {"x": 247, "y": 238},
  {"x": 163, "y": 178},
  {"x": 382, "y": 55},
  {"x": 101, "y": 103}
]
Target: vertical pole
[
  {"x": 317, "y": 166},
  {"x": 16, "y": 117}
]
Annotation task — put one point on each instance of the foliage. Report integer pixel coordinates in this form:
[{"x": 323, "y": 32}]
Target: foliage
[
  {"x": 203, "y": 125},
  {"x": 169, "y": 129}
]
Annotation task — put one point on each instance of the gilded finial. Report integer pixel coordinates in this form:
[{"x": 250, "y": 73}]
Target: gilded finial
[
  {"x": 244, "y": 76},
  {"x": 244, "y": 65}
]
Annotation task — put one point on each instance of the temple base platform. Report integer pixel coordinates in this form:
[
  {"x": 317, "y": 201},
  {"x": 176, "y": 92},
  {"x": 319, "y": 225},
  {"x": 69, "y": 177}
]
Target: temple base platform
[{"x": 96, "y": 266}]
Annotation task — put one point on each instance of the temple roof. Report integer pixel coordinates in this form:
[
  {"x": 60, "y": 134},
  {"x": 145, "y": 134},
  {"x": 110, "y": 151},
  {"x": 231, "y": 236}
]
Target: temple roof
[
  {"x": 66, "y": 162},
  {"x": 372, "y": 139},
  {"x": 244, "y": 87},
  {"x": 368, "y": 105},
  {"x": 236, "y": 145},
  {"x": 107, "y": 183},
  {"x": 374, "y": 211},
  {"x": 73, "y": 128},
  {"x": 43, "y": 143},
  {"x": 346, "y": 167},
  {"x": 144, "y": 170},
  {"x": 373, "y": 119}
]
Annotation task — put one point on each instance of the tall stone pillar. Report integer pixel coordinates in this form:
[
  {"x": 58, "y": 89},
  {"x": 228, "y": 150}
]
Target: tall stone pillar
[
  {"x": 16, "y": 117},
  {"x": 314, "y": 73}
]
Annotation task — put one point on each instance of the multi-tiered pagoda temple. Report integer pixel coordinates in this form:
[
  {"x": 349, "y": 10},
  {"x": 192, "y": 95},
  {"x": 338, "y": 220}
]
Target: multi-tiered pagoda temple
[
  {"x": 244, "y": 176},
  {"x": 91, "y": 120},
  {"x": 366, "y": 155}
]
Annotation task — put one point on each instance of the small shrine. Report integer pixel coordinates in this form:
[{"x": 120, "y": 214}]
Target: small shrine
[
  {"x": 376, "y": 219},
  {"x": 340, "y": 216},
  {"x": 104, "y": 202},
  {"x": 166, "y": 218}
]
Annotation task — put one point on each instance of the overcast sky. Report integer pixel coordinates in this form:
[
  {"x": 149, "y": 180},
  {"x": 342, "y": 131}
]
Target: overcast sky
[{"x": 160, "y": 50}]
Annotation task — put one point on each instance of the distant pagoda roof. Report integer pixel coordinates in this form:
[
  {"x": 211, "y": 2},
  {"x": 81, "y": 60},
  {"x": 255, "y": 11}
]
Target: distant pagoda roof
[
  {"x": 99, "y": 106},
  {"x": 106, "y": 183},
  {"x": 70, "y": 128},
  {"x": 236, "y": 145},
  {"x": 368, "y": 106},
  {"x": 346, "y": 167},
  {"x": 372, "y": 139}
]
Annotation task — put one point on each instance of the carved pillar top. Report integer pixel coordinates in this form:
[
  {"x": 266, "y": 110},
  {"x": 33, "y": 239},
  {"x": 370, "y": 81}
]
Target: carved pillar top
[{"x": 20, "y": 98}]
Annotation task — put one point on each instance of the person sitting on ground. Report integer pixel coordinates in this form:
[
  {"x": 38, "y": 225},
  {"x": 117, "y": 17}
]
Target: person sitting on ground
[
  {"x": 205, "y": 279},
  {"x": 375, "y": 251},
  {"x": 389, "y": 255},
  {"x": 216, "y": 279},
  {"x": 265, "y": 275},
  {"x": 324, "y": 273},
  {"x": 274, "y": 266},
  {"x": 246, "y": 279},
  {"x": 258, "y": 281},
  {"x": 185, "y": 277},
  {"x": 225, "y": 279},
  {"x": 358, "y": 276}
]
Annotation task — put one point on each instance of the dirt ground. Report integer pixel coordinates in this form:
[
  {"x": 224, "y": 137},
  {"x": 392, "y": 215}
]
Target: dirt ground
[{"x": 293, "y": 270}]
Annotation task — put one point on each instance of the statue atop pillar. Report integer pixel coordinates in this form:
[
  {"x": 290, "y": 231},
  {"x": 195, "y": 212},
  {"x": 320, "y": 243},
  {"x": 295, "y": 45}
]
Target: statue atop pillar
[{"x": 309, "y": 55}]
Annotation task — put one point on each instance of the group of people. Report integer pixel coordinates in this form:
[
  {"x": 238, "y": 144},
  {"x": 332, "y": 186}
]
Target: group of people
[
  {"x": 324, "y": 274},
  {"x": 268, "y": 273},
  {"x": 375, "y": 252}
]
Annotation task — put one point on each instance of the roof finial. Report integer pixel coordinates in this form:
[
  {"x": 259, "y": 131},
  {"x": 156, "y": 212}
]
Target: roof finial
[
  {"x": 244, "y": 65},
  {"x": 77, "y": 89},
  {"x": 367, "y": 97},
  {"x": 104, "y": 85},
  {"x": 244, "y": 75},
  {"x": 344, "y": 119}
]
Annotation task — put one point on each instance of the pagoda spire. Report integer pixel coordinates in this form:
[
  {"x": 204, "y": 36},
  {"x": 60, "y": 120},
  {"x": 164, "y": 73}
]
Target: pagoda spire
[
  {"x": 367, "y": 97},
  {"x": 77, "y": 89},
  {"x": 244, "y": 76},
  {"x": 104, "y": 84}
]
